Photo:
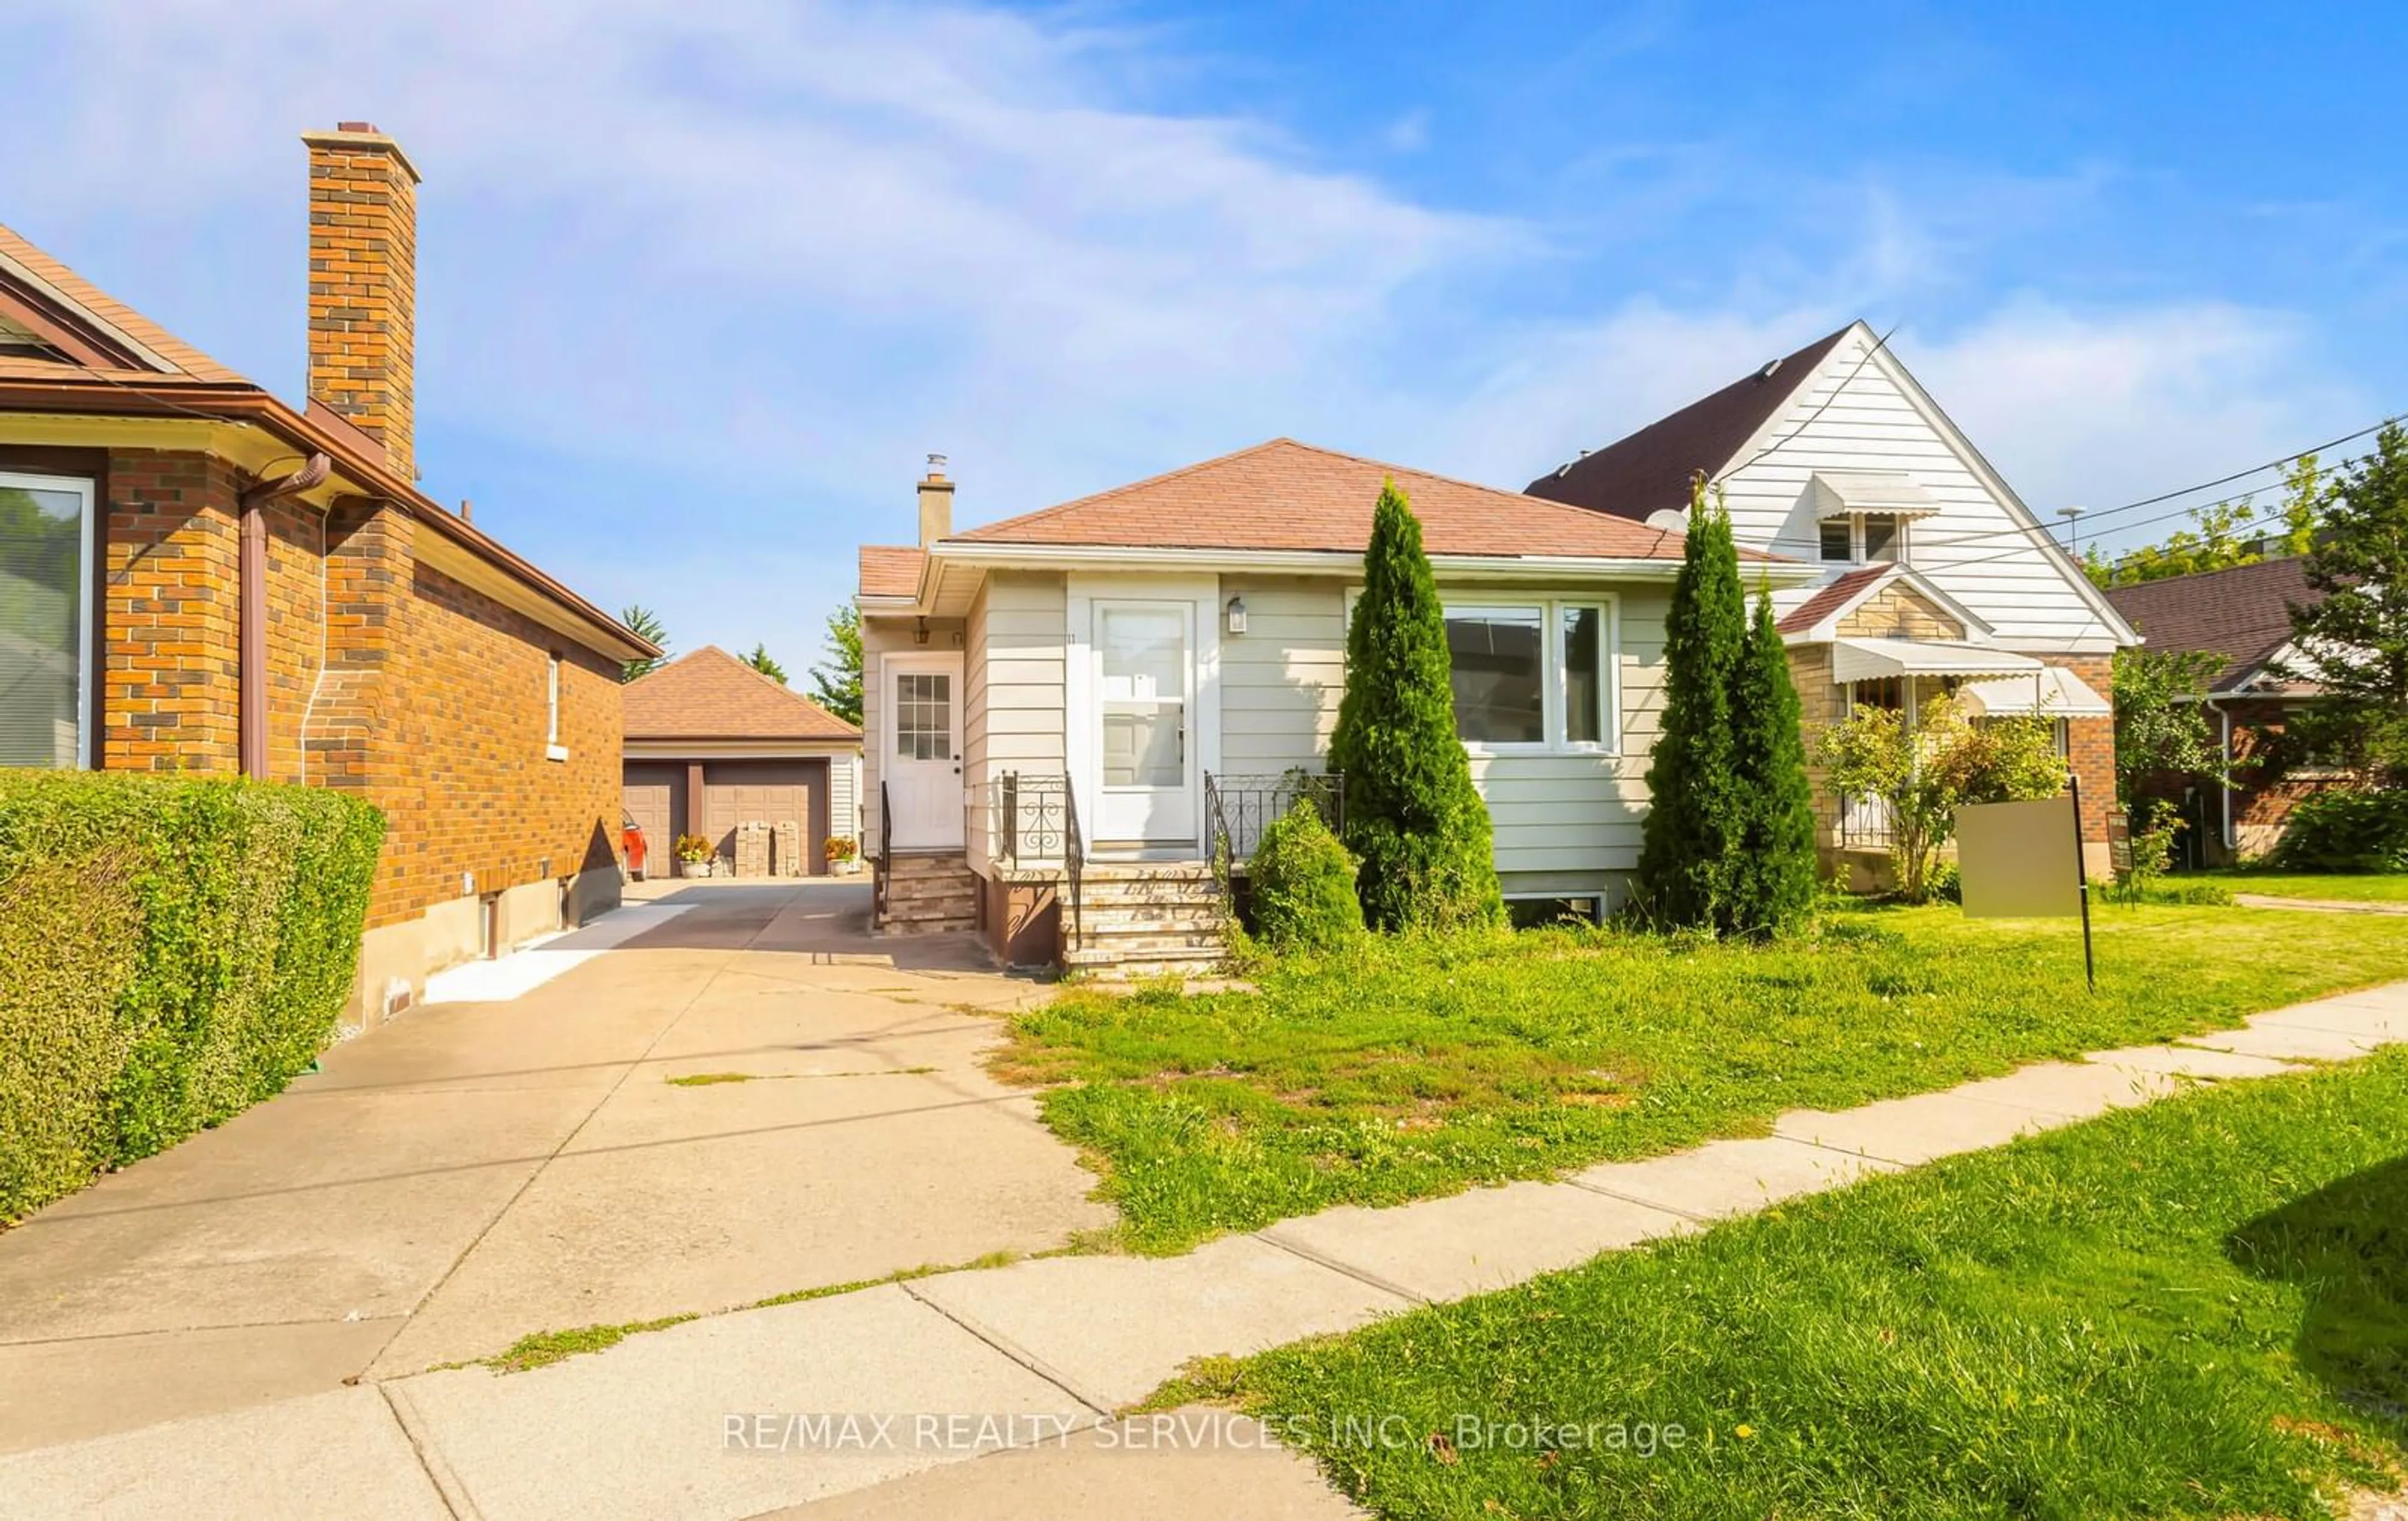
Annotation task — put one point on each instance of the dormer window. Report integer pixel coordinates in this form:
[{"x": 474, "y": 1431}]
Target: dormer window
[
  {"x": 1861, "y": 516},
  {"x": 1864, "y": 539}
]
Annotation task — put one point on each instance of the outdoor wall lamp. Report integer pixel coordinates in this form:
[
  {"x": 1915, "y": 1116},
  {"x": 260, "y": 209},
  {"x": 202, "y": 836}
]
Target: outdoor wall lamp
[
  {"x": 920, "y": 632},
  {"x": 1236, "y": 615}
]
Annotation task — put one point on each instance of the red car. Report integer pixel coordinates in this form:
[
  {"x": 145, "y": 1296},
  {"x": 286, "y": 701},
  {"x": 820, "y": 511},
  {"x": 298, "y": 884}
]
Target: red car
[{"x": 631, "y": 840}]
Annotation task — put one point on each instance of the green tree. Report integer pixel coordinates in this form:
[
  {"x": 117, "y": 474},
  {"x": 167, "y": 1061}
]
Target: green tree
[
  {"x": 2225, "y": 534},
  {"x": 1925, "y": 772},
  {"x": 2352, "y": 644},
  {"x": 1412, "y": 817},
  {"x": 836, "y": 683},
  {"x": 1697, "y": 821},
  {"x": 1774, "y": 874},
  {"x": 2162, "y": 726},
  {"x": 644, "y": 622},
  {"x": 760, "y": 660}
]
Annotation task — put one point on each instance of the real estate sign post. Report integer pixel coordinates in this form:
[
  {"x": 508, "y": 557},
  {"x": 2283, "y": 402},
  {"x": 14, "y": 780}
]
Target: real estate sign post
[{"x": 2024, "y": 861}]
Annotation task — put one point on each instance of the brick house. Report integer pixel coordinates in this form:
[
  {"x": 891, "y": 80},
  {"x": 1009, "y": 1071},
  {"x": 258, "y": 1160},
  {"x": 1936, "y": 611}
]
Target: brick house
[
  {"x": 1936, "y": 577},
  {"x": 196, "y": 576},
  {"x": 2243, "y": 614}
]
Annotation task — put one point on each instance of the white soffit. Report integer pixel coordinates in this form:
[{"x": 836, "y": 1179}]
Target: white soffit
[
  {"x": 1867, "y": 660},
  {"x": 1839, "y": 493},
  {"x": 2051, "y": 692}
]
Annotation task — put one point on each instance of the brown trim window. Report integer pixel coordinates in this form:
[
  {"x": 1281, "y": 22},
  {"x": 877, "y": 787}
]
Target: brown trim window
[{"x": 47, "y": 686}]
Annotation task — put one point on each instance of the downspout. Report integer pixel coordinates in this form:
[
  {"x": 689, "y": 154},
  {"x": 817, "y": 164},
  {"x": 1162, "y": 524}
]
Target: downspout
[
  {"x": 2223, "y": 783},
  {"x": 251, "y": 702}
]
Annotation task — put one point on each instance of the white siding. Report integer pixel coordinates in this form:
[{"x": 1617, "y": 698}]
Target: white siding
[
  {"x": 1867, "y": 420},
  {"x": 844, "y": 794},
  {"x": 1280, "y": 680},
  {"x": 1573, "y": 816},
  {"x": 1011, "y": 687}
]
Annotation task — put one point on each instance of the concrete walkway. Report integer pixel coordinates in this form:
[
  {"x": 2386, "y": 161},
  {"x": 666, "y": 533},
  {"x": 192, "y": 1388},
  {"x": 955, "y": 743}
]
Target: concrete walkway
[
  {"x": 2319, "y": 904},
  {"x": 1023, "y": 1368},
  {"x": 472, "y": 1172}
]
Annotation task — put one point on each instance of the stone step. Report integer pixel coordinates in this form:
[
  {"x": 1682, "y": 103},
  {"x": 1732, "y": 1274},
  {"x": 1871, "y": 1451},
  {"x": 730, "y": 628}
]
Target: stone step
[
  {"x": 1120, "y": 966},
  {"x": 1167, "y": 943},
  {"x": 928, "y": 866},
  {"x": 957, "y": 924},
  {"x": 1091, "y": 923}
]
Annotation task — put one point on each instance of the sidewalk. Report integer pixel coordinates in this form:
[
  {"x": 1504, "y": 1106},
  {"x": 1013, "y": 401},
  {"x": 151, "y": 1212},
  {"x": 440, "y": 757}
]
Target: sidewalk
[{"x": 717, "y": 1419}]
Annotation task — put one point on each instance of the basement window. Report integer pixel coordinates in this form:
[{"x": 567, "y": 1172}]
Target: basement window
[{"x": 1543, "y": 911}]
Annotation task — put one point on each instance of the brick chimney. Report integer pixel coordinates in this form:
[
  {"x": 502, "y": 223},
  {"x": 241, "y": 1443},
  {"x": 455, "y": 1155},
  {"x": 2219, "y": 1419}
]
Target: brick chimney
[
  {"x": 363, "y": 284},
  {"x": 936, "y": 503}
]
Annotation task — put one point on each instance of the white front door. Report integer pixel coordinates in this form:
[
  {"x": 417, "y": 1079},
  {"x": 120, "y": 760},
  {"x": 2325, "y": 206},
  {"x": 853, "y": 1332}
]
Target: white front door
[
  {"x": 1145, "y": 696},
  {"x": 924, "y": 751}
]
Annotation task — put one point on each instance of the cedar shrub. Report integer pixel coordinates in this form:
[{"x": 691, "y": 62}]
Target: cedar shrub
[
  {"x": 1698, "y": 821},
  {"x": 1773, "y": 875},
  {"x": 1412, "y": 817}
]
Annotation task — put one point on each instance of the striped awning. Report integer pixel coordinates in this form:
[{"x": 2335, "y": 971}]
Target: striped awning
[
  {"x": 2052, "y": 692},
  {"x": 1867, "y": 660}
]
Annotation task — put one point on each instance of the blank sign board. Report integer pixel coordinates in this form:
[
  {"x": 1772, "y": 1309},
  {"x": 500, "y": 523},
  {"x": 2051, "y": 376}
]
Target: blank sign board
[{"x": 2019, "y": 860}]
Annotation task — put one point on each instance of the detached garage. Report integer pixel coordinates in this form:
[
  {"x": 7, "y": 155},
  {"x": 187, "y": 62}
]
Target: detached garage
[{"x": 713, "y": 743}]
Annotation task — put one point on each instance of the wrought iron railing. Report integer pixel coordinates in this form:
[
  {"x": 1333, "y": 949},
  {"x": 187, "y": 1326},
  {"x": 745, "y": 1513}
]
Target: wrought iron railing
[
  {"x": 1029, "y": 818},
  {"x": 1238, "y": 808},
  {"x": 1031, "y": 824},
  {"x": 1074, "y": 862},
  {"x": 1867, "y": 822},
  {"x": 883, "y": 865}
]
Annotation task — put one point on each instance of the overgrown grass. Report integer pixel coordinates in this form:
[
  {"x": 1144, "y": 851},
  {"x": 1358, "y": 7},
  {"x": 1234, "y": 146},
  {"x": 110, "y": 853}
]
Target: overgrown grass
[
  {"x": 2198, "y": 1308},
  {"x": 1418, "y": 1067},
  {"x": 2354, "y": 887}
]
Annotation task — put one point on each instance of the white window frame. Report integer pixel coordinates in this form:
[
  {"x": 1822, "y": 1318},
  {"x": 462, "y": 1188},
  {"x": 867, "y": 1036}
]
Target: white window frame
[
  {"x": 1900, "y": 538},
  {"x": 87, "y": 661},
  {"x": 552, "y": 747},
  {"x": 1556, "y": 692}
]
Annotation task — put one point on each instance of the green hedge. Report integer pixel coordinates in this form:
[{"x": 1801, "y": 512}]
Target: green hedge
[
  {"x": 2346, "y": 831},
  {"x": 171, "y": 951}
]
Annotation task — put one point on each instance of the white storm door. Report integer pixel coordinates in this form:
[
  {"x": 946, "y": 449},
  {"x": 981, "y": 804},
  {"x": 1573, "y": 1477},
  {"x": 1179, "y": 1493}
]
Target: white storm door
[
  {"x": 924, "y": 751},
  {"x": 1145, "y": 693}
]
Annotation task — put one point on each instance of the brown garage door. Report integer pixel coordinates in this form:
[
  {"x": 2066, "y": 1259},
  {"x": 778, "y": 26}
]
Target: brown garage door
[
  {"x": 772, "y": 790},
  {"x": 655, "y": 799}
]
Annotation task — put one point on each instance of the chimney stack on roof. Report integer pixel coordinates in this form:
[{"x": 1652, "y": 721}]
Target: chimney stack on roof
[
  {"x": 936, "y": 503},
  {"x": 363, "y": 284}
]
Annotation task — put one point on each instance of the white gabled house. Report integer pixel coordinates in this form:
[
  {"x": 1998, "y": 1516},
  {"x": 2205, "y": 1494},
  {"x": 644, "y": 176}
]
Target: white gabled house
[
  {"x": 1934, "y": 576},
  {"x": 1068, "y": 712}
]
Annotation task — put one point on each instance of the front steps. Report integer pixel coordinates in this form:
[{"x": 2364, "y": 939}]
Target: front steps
[
  {"x": 928, "y": 895},
  {"x": 1145, "y": 919}
]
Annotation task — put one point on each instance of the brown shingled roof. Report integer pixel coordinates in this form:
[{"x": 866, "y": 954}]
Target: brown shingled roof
[
  {"x": 891, "y": 570},
  {"x": 711, "y": 694},
  {"x": 2241, "y": 614},
  {"x": 1650, "y": 470},
  {"x": 1832, "y": 598},
  {"x": 186, "y": 361},
  {"x": 1283, "y": 494}
]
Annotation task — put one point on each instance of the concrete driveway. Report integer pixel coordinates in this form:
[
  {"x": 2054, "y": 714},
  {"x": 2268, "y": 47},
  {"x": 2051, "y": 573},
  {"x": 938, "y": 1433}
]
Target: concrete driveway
[{"x": 475, "y": 1171}]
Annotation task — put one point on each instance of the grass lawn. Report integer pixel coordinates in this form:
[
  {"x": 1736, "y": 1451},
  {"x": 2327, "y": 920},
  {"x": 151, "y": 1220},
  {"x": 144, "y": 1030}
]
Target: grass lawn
[
  {"x": 2197, "y": 1309},
  {"x": 1417, "y": 1069},
  {"x": 2362, "y": 887}
]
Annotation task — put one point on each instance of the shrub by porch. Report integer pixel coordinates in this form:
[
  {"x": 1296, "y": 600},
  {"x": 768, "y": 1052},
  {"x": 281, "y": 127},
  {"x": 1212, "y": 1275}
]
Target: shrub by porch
[{"x": 174, "y": 951}]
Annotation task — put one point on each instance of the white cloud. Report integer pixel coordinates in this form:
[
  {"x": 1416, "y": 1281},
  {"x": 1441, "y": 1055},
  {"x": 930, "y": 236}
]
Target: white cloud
[{"x": 762, "y": 254}]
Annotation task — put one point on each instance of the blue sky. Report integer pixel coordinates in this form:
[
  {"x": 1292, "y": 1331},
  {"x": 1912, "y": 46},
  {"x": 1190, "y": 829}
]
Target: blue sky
[{"x": 701, "y": 283}]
